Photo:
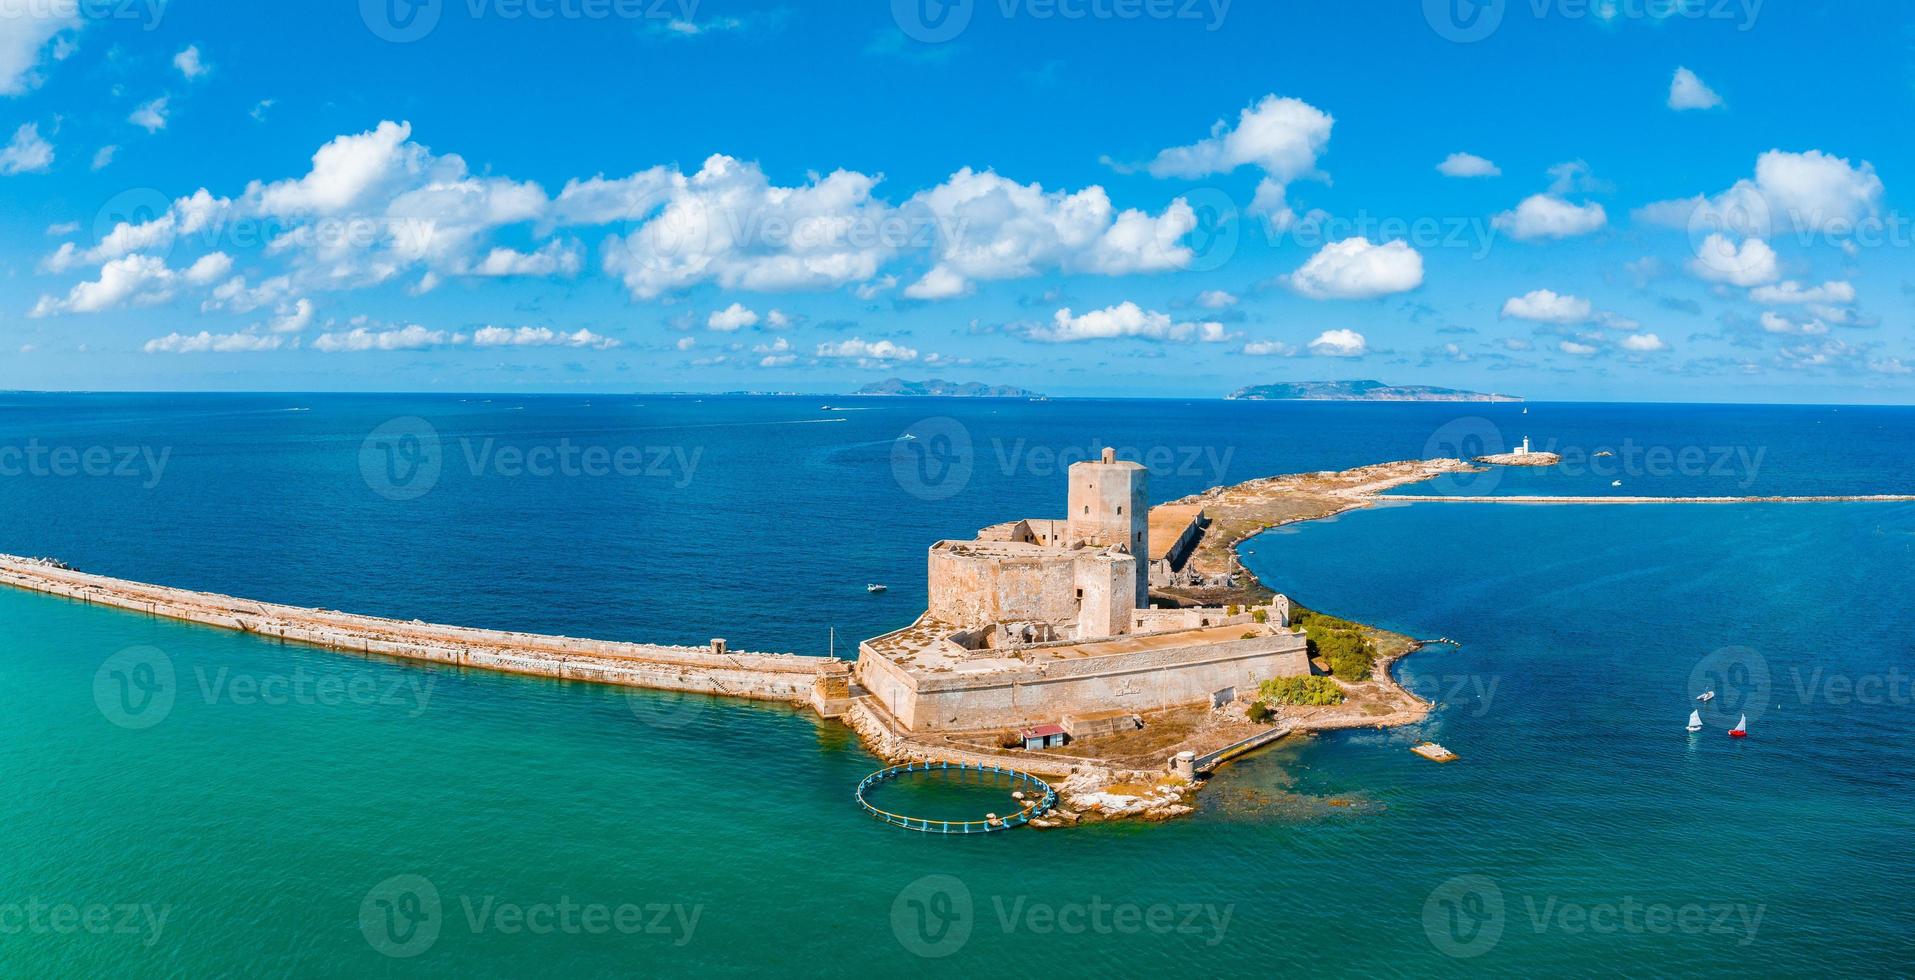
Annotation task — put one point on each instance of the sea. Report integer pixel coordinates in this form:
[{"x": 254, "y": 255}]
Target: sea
[{"x": 182, "y": 801}]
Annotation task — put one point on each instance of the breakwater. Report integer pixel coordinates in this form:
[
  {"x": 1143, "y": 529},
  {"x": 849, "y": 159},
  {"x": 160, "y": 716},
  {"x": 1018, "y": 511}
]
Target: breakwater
[
  {"x": 708, "y": 670},
  {"x": 1880, "y": 498}
]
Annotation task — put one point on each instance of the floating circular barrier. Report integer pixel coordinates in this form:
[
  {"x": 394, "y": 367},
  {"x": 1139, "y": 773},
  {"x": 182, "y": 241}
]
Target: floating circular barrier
[{"x": 1040, "y": 801}]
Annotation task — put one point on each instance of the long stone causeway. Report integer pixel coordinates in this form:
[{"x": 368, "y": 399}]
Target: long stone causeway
[{"x": 766, "y": 677}]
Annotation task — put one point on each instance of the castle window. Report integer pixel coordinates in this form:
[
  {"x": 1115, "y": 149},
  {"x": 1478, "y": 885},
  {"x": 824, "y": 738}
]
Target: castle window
[
  {"x": 1120, "y": 510},
  {"x": 1080, "y": 593}
]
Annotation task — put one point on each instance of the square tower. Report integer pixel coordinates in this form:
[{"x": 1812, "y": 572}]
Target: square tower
[{"x": 1110, "y": 508}]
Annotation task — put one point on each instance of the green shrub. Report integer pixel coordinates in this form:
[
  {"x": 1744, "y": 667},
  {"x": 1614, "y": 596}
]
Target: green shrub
[
  {"x": 1340, "y": 643},
  {"x": 1300, "y": 690},
  {"x": 1261, "y": 615},
  {"x": 1260, "y": 712}
]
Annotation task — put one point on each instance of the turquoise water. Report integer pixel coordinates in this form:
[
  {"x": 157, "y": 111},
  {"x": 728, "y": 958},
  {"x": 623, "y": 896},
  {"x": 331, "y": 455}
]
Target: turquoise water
[{"x": 297, "y": 811}]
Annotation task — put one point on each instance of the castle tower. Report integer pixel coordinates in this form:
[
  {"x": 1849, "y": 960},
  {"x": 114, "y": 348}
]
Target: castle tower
[{"x": 1110, "y": 507}]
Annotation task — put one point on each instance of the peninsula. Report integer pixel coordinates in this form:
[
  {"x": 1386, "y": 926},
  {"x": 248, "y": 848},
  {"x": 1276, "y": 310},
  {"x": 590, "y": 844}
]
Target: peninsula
[{"x": 1360, "y": 391}]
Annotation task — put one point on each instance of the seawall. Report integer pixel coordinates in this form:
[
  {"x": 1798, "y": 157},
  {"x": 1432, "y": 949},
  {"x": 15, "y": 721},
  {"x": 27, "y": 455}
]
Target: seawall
[{"x": 757, "y": 676}]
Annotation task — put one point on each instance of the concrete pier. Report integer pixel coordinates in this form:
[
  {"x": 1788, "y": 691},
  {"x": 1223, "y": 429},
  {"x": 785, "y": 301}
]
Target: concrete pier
[{"x": 708, "y": 670}]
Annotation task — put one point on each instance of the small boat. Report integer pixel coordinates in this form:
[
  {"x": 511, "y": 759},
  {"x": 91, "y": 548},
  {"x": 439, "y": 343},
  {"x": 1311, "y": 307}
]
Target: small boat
[
  {"x": 1741, "y": 729},
  {"x": 875, "y": 588},
  {"x": 1617, "y": 483},
  {"x": 1706, "y": 696},
  {"x": 1695, "y": 721}
]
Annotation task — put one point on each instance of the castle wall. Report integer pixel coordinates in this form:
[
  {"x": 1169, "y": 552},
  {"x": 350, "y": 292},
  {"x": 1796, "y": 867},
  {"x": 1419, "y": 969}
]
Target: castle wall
[
  {"x": 1143, "y": 681},
  {"x": 1107, "y": 584}
]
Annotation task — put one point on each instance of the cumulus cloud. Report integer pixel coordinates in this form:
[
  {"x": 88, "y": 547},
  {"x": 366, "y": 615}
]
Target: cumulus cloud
[
  {"x": 1339, "y": 343},
  {"x": 410, "y": 337},
  {"x": 989, "y": 227},
  {"x": 1548, "y": 306},
  {"x": 1686, "y": 91},
  {"x": 1126, "y": 319},
  {"x": 1280, "y": 136},
  {"x": 1577, "y": 349},
  {"x": 733, "y": 317},
  {"x": 204, "y": 342},
  {"x": 209, "y": 268},
  {"x": 1550, "y": 216},
  {"x": 554, "y": 258},
  {"x": 867, "y": 354},
  {"x": 141, "y": 279},
  {"x": 1812, "y": 191},
  {"x": 1835, "y": 292},
  {"x": 1356, "y": 269},
  {"x": 1718, "y": 259},
  {"x": 539, "y": 337},
  {"x": 1467, "y": 165},
  {"x": 1269, "y": 348},
  {"x": 1643, "y": 343},
  {"x": 150, "y": 116},
  {"x": 1216, "y": 299},
  {"x": 26, "y": 153},
  {"x": 1776, "y": 323},
  {"x": 188, "y": 62}
]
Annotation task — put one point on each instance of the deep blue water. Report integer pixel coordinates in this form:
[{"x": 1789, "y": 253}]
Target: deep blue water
[{"x": 1583, "y": 830}]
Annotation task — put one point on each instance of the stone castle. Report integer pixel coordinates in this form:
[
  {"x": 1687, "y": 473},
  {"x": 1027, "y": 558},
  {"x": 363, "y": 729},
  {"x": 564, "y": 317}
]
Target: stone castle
[{"x": 1041, "y": 621}]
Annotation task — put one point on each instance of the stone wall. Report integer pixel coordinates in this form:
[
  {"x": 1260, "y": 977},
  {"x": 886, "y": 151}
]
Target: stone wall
[
  {"x": 1149, "y": 680},
  {"x": 777, "y": 677},
  {"x": 973, "y": 587}
]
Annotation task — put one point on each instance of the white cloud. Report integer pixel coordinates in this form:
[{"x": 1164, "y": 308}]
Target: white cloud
[
  {"x": 1889, "y": 365},
  {"x": 1792, "y": 292},
  {"x": 1579, "y": 350},
  {"x": 1549, "y": 216},
  {"x": 1282, "y": 137},
  {"x": 150, "y": 116},
  {"x": 687, "y": 343},
  {"x": 1269, "y": 348},
  {"x": 1548, "y": 306},
  {"x": 1216, "y": 299},
  {"x": 1720, "y": 260},
  {"x": 63, "y": 229},
  {"x": 410, "y": 337},
  {"x": 104, "y": 156},
  {"x": 188, "y": 62},
  {"x": 141, "y": 279},
  {"x": 1467, "y": 165},
  {"x": 777, "y": 354},
  {"x": 204, "y": 342},
  {"x": 292, "y": 318},
  {"x": 209, "y": 267},
  {"x": 1355, "y": 269},
  {"x": 1686, "y": 91},
  {"x": 1339, "y": 343},
  {"x": 867, "y": 353},
  {"x": 25, "y": 29},
  {"x": 733, "y": 317},
  {"x": 539, "y": 337},
  {"x": 777, "y": 320},
  {"x": 555, "y": 258},
  {"x": 993, "y": 228},
  {"x": 1643, "y": 343},
  {"x": 26, "y": 152},
  {"x": 1776, "y": 323},
  {"x": 1802, "y": 191},
  {"x": 1126, "y": 319}
]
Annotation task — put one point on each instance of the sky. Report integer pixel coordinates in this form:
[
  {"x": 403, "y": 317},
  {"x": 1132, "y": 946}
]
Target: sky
[{"x": 1626, "y": 200}]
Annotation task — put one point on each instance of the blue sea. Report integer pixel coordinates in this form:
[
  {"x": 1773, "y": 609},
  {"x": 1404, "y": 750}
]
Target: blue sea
[{"x": 183, "y": 801}]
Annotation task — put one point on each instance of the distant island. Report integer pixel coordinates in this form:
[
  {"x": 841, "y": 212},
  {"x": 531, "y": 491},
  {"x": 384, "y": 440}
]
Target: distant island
[
  {"x": 1361, "y": 391},
  {"x": 936, "y": 388}
]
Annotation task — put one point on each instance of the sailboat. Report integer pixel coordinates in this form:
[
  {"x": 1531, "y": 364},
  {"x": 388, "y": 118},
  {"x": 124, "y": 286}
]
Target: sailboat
[
  {"x": 1695, "y": 721},
  {"x": 1741, "y": 729},
  {"x": 1706, "y": 696}
]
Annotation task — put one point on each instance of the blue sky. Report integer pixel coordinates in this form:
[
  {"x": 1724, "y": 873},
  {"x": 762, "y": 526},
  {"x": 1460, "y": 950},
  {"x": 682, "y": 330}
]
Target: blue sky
[{"x": 1554, "y": 198}]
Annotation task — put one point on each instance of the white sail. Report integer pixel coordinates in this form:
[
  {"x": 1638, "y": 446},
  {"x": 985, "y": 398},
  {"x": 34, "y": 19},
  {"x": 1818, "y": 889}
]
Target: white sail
[
  {"x": 1742, "y": 724},
  {"x": 1695, "y": 720}
]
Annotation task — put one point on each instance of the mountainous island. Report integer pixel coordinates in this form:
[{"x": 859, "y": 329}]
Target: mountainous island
[
  {"x": 1360, "y": 391},
  {"x": 937, "y": 388}
]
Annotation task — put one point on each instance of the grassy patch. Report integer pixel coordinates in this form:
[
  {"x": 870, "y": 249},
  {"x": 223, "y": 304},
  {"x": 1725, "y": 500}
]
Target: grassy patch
[{"x": 1308, "y": 691}]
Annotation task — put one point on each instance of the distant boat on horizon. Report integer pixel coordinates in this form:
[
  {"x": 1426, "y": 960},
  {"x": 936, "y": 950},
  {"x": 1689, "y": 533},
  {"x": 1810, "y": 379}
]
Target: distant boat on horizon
[{"x": 1695, "y": 721}]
